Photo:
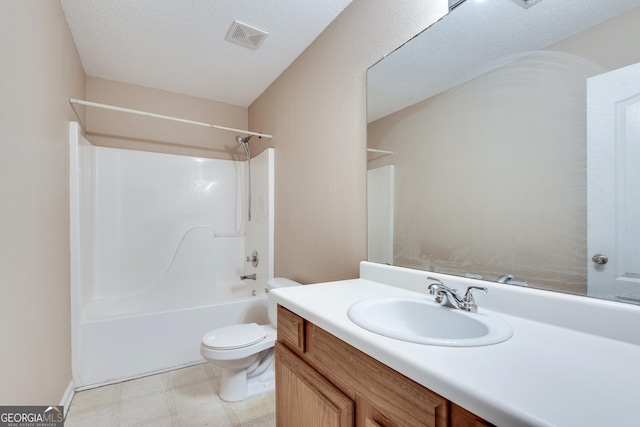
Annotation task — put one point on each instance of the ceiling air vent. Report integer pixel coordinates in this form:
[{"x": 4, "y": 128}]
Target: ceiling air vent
[
  {"x": 526, "y": 3},
  {"x": 246, "y": 35}
]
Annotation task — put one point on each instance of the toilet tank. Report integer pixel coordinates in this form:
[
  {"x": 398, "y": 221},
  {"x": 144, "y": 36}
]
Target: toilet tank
[{"x": 275, "y": 283}]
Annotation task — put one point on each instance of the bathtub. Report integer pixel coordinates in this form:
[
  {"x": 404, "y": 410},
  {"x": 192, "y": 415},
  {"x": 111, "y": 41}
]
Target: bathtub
[
  {"x": 158, "y": 245},
  {"x": 120, "y": 346}
]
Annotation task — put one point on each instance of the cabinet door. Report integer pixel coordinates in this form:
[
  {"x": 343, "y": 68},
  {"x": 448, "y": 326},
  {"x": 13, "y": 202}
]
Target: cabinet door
[
  {"x": 396, "y": 401},
  {"x": 460, "y": 417},
  {"x": 306, "y": 398},
  {"x": 368, "y": 416}
]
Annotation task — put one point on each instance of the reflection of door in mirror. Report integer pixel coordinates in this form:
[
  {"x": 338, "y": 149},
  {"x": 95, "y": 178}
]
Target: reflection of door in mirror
[
  {"x": 380, "y": 191},
  {"x": 614, "y": 184}
]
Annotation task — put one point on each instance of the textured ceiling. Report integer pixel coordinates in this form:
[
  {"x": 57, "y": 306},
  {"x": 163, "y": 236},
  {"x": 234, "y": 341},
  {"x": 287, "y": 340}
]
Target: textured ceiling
[
  {"x": 474, "y": 38},
  {"x": 179, "y": 45}
]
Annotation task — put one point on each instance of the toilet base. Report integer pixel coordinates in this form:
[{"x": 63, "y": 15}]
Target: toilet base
[
  {"x": 236, "y": 385},
  {"x": 261, "y": 385}
]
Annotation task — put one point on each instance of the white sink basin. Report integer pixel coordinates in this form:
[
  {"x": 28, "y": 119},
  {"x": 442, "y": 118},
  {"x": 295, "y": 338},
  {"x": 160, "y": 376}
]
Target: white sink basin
[{"x": 422, "y": 321}]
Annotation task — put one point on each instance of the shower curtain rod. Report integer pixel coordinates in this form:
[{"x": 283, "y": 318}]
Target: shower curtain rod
[
  {"x": 375, "y": 150},
  {"x": 160, "y": 116}
]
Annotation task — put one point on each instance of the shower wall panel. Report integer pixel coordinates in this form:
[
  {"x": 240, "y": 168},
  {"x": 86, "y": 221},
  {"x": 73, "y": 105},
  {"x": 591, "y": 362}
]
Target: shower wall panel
[{"x": 151, "y": 210}]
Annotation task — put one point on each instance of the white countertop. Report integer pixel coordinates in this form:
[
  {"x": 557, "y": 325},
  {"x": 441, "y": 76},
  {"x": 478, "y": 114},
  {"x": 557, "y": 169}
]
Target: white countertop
[{"x": 544, "y": 375}]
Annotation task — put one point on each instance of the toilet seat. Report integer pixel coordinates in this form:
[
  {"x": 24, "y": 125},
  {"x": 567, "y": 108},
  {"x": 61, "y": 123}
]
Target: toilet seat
[{"x": 234, "y": 336}]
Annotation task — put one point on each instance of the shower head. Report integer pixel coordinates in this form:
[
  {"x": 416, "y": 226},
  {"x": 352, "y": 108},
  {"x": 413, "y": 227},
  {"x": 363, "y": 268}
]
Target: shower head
[
  {"x": 240, "y": 140},
  {"x": 244, "y": 143}
]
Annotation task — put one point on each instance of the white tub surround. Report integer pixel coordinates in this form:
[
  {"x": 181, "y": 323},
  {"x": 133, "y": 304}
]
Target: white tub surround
[
  {"x": 572, "y": 361},
  {"x": 158, "y": 247}
]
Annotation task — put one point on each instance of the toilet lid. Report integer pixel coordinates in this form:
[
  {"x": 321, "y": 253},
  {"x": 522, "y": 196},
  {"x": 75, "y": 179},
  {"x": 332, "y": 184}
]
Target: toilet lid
[{"x": 234, "y": 336}]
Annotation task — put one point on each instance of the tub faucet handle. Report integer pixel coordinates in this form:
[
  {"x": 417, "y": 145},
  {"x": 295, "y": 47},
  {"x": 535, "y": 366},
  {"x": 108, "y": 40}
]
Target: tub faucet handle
[
  {"x": 248, "y": 276},
  {"x": 253, "y": 259}
]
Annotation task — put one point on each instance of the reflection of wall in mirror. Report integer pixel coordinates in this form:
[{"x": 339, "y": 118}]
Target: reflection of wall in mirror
[{"x": 504, "y": 189}]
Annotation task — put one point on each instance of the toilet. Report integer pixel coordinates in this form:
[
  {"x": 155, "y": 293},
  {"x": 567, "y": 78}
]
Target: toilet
[{"x": 245, "y": 353}]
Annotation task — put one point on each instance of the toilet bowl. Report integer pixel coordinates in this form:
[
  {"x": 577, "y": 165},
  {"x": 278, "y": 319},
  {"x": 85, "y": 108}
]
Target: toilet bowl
[{"x": 244, "y": 352}]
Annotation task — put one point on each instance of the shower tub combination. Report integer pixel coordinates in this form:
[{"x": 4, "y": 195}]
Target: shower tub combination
[{"x": 158, "y": 245}]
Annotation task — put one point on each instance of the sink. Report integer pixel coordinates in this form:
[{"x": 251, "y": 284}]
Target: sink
[{"x": 421, "y": 320}]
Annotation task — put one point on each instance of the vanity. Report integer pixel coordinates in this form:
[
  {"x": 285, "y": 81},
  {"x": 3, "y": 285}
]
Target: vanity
[
  {"x": 571, "y": 361},
  {"x": 336, "y": 385}
]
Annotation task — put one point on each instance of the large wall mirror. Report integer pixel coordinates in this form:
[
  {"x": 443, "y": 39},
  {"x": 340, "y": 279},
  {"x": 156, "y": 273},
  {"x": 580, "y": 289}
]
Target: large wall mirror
[{"x": 504, "y": 144}]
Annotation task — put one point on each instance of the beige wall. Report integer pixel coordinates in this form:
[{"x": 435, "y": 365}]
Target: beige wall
[
  {"x": 40, "y": 70},
  {"x": 121, "y": 130},
  {"x": 316, "y": 111}
]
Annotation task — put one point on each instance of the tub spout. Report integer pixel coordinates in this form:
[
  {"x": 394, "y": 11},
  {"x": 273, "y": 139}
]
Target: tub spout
[{"x": 248, "y": 276}]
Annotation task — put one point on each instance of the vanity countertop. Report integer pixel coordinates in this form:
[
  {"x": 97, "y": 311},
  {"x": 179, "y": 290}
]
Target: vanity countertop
[{"x": 544, "y": 375}]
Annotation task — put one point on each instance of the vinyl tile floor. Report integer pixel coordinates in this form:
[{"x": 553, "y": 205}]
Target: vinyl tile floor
[{"x": 186, "y": 397}]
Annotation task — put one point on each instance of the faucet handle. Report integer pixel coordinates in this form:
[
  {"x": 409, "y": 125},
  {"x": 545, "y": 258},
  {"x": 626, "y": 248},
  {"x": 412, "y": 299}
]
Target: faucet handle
[
  {"x": 470, "y": 302},
  {"x": 468, "y": 296},
  {"x": 444, "y": 294},
  {"x": 434, "y": 287}
]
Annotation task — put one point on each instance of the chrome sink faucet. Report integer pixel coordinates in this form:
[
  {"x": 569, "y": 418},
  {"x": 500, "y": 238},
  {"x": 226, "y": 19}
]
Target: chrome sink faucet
[
  {"x": 447, "y": 296},
  {"x": 509, "y": 280}
]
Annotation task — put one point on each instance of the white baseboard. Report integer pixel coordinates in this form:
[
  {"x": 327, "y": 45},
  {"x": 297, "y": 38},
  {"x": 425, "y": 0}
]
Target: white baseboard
[{"x": 67, "y": 397}]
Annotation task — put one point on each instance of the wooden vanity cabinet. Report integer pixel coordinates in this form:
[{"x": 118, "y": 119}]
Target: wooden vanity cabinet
[
  {"x": 306, "y": 398},
  {"x": 323, "y": 381},
  {"x": 460, "y": 417}
]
